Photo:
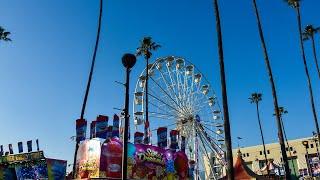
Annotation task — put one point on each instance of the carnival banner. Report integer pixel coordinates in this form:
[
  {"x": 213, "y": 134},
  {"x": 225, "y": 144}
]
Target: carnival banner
[
  {"x": 81, "y": 129},
  {"x": 116, "y": 124},
  {"x": 37, "y": 143},
  {"x": 10, "y": 149},
  {"x": 162, "y": 137},
  {"x": 56, "y": 169},
  {"x": 29, "y": 145},
  {"x": 102, "y": 126},
  {"x": 88, "y": 159},
  {"x": 138, "y": 137},
  {"x": 174, "y": 134},
  {"x": 20, "y": 147}
]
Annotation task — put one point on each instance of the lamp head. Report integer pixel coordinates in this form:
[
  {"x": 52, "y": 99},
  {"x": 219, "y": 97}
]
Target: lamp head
[
  {"x": 129, "y": 60},
  {"x": 305, "y": 143}
]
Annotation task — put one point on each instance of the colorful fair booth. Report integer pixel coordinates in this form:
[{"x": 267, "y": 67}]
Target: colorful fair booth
[
  {"x": 101, "y": 155},
  {"x": 98, "y": 159},
  {"x": 31, "y": 165}
]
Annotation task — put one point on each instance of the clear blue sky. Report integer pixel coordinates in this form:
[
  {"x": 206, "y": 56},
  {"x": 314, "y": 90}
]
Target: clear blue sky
[{"x": 43, "y": 71}]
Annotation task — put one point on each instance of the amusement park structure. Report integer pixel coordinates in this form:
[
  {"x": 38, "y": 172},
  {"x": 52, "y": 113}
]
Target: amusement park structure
[
  {"x": 182, "y": 106},
  {"x": 181, "y": 99}
]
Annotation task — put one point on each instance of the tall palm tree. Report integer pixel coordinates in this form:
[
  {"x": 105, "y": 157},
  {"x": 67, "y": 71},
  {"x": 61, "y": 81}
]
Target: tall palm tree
[
  {"x": 4, "y": 34},
  {"x": 282, "y": 111},
  {"x": 308, "y": 34},
  {"x": 228, "y": 142},
  {"x": 145, "y": 49},
  {"x": 296, "y": 5},
  {"x": 84, "y": 104},
  {"x": 274, "y": 93},
  {"x": 256, "y": 98}
]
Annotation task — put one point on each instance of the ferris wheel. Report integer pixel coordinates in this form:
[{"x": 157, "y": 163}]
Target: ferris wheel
[{"x": 181, "y": 98}]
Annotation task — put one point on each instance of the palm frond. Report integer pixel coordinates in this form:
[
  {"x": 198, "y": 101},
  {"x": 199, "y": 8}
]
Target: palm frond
[
  {"x": 4, "y": 34},
  {"x": 305, "y": 36},
  {"x": 255, "y": 97},
  {"x": 146, "y": 46},
  {"x": 293, "y": 3}
]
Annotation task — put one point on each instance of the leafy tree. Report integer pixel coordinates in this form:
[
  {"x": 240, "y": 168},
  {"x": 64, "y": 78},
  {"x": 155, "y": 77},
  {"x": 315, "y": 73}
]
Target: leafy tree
[
  {"x": 295, "y": 4},
  {"x": 273, "y": 90},
  {"x": 255, "y": 99},
  {"x": 145, "y": 50},
  {"x": 4, "y": 34},
  {"x": 308, "y": 34},
  {"x": 227, "y": 129}
]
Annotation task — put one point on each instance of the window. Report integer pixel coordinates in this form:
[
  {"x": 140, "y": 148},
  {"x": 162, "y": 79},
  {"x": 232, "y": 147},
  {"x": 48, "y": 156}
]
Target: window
[
  {"x": 291, "y": 149},
  {"x": 262, "y": 164},
  {"x": 247, "y": 154},
  {"x": 260, "y": 152},
  {"x": 244, "y": 154},
  {"x": 311, "y": 145},
  {"x": 268, "y": 151}
]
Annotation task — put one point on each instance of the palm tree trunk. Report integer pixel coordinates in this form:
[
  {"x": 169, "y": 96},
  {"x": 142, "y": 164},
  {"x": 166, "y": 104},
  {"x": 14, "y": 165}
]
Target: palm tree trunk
[
  {"x": 89, "y": 83},
  {"x": 262, "y": 137},
  {"x": 229, "y": 158},
  {"x": 307, "y": 72},
  {"x": 146, "y": 125},
  {"x": 274, "y": 93},
  {"x": 287, "y": 142},
  {"x": 315, "y": 55}
]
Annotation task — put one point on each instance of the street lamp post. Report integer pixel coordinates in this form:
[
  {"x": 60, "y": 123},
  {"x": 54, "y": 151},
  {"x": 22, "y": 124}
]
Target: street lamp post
[
  {"x": 128, "y": 61},
  {"x": 306, "y": 145},
  {"x": 315, "y": 139}
]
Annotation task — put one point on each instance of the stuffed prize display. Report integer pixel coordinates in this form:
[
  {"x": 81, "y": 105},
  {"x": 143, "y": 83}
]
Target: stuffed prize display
[
  {"x": 181, "y": 164},
  {"x": 111, "y": 158},
  {"x": 144, "y": 161},
  {"x": 149, "y": 162}
]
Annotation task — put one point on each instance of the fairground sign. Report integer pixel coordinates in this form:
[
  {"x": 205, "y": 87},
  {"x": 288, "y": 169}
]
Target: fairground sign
[{"x": 33, "y": 156}]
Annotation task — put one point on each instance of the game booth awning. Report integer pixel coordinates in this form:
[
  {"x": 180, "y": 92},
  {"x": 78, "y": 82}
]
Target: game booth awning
[{"x": 242, "y": 171}]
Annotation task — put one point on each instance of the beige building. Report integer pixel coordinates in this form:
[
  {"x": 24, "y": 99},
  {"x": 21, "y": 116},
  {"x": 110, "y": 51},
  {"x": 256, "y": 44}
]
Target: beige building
[
  {"x": 255, "y": 159},
  {"x": 296, "y": 152}
]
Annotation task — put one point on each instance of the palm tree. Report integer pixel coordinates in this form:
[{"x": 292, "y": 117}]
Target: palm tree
[
  {"x": 145, "y": 49},
  {"x": 227, "y": 128},
  {"x": 84, "y": 104},
  {"x": 4, "y": 34},
  {"x": 282, "y": 111},
  {"x": 274, "y": 93},
  {"x": 308, "y": 34},
  {"x": 256, "y": 98},
  {"x": 296, "y": 5}
]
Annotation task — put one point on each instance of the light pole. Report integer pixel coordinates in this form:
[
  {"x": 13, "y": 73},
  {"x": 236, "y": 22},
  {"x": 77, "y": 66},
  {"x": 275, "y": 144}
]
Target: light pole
[
  {"x": 306, "y": 145},
  {"x": 128, "y": 61},
  {"x": 315, "y": 139}
]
